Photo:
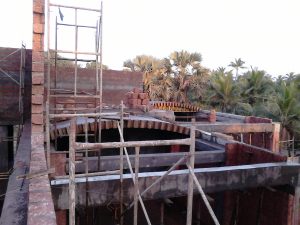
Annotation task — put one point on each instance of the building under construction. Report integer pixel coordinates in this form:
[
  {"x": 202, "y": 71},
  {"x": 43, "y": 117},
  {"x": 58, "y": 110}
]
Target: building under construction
[{"x": 87, "y": 146}]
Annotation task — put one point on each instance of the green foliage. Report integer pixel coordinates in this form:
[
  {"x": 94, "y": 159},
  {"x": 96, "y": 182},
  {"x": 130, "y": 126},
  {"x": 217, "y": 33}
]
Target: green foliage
[{"x": 92, "y": 65}]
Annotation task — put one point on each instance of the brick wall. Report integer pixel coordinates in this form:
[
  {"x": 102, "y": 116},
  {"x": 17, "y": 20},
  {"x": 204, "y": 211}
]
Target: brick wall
[
  {"x": 115, "y": 83},
  {"x": 267, "y": 207},
  {"x": 9, "y": 90}
]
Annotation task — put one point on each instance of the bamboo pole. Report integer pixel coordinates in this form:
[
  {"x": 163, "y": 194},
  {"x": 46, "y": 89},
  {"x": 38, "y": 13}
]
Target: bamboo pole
[
  {"x": 211, "y": 212},
  {"x": 72, "y": 139},
  {"x": 74, "y": 7},
  {"x": 161, "y": 178},
  {"x": 132, "y": 176},
  {"x": 136, "y": 185},
  {"x": 190, "y": 181},
  {"x": 95, "y": 146},
  {"x": 87, "y": 175},
  {"x": 121, "y": 166}
]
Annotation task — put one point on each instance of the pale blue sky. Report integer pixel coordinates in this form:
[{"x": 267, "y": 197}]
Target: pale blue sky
[{"x": 264, "y": 33}]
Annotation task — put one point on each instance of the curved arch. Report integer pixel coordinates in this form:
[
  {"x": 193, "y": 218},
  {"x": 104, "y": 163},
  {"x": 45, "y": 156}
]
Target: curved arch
[
  {"x": 62, "y": 129},
  {"x": 175, "y": 106}
]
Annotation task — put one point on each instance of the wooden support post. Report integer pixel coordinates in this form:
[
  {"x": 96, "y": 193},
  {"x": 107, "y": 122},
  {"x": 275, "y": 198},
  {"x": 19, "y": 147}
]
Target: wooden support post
[
  {"x": 190, "y": 181},
  {"x": 48, "y": 135},
  {"x": 72, "y": 139},
  {"x": 136, "y": 185},
  {"x": 162, "y": 212},
  {"x": 211, "y": 212},
  {"x": 121, "y": 166},
  {"x": 275, "y": 137},
  {"x": 296, "y": 207}
]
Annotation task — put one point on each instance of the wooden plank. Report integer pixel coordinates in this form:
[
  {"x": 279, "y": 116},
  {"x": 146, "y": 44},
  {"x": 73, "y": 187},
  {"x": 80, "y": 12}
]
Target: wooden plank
[{"x": 233, "y": 128}]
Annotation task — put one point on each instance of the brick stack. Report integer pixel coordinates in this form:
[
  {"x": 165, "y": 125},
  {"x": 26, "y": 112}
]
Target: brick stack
[
  {"x": 40, "y": 201},
  {"x": 136, "y": 99},
  {"x": 212, "y": 117},
  {"x": 37, "y": 98}
]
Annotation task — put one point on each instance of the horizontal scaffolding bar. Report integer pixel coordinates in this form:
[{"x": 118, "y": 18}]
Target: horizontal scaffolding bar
[
  {"x": 103, "y": 173},
  {"x": 74, "y": 25},
  {"x": 72, "y": 59},
  {"x": 76, "y": 52},
  {"x": 74, "y": 7},
  {"x": 74, "y": 96},
  {"x": 81, "y": 146},
  {"x": 52, "y": 116}
]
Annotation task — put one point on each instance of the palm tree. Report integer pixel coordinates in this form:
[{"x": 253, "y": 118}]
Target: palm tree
[
  {"x": 286, "y": 109},
  {"x": 224, "y": 93},
  {"x": 237, "y": 64},
  {"x": 188, "y": 75},
  {"x": 256, "y": 86},
  {"x": 146, "y": 64}
]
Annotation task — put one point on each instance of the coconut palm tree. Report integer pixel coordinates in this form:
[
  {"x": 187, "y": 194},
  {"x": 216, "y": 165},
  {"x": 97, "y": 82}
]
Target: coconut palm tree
[
  {"x": 188, "y": 75},
  {"x": 237, "y": 64},
  {"x": 224, "y": 93},
  {"x": 256, "y": 86},
  {"x": 285, "y": 108}
]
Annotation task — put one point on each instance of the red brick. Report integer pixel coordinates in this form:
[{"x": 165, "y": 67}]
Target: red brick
[
  {"x": 38, "y": 42},
  {"x": 145, "y": 101},
  {"x": 37, "y": 99},
  {"x": 37, "y": 109},
  {"x": 132, "y": 101},
  {"x": 136, "y": 90},
  {"x": 37, "y": 89},
  {"x": 38, "y": 18},
  {"x": 139, "y": 102},
  {"x": 143, "y": 95},
  {"x": 38, "y": 7},
  {"x": 38, "y": 28},
  {"x": 37, "y": 119},
  {"x": 135, "y": 95},
  {"x": 38, "y": 56},
  {"x": 37, "y": 78},
  {"x": 37, "y": 67}
]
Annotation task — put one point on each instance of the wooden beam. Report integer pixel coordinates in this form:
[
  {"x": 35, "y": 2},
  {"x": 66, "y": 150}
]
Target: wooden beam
[
  {"x": 150, "y": 160},
  {"x": 234, "y": 128},
  {"x": 82, "y": 146},
  {"x": 212, "y": 180}
]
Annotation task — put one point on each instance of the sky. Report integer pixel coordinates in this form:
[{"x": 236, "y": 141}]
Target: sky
[{"x": 263, "y": 33}]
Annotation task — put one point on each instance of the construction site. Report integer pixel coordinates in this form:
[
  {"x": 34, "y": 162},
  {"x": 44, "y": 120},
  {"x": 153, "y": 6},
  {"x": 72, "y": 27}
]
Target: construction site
[{"x": 89, "y": 147}]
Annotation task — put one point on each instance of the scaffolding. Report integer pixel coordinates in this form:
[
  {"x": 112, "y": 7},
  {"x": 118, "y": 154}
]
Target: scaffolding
[
  {"x": 55, "y": 113},
  {"x": 18, "y": 79}
]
